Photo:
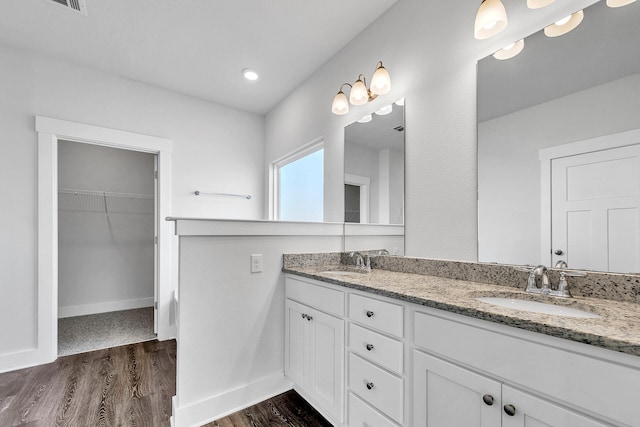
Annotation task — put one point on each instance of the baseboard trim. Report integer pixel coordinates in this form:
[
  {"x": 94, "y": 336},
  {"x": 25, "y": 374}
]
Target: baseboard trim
[
  {"x": 23, "y": 359},
  {"x": 103, "y": 307},
  {"x": 221, "y": 405}
]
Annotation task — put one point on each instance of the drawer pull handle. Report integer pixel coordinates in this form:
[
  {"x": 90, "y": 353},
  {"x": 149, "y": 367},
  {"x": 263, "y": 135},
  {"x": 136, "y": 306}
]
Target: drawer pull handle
[
  {"x": 309, "y": 318},
  {"x": 369, "y": 386},
  {"x": 487, "y": 399},
  {"x": 369, "y": 347},
  {"x": 369, "y": 313},
  {"x": 510, "y": 410},
  {"x": 304, "y": 316}
]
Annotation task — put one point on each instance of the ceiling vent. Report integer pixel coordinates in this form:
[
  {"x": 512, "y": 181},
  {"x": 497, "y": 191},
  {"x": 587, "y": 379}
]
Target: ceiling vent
[{"x": 77, "y": 5}]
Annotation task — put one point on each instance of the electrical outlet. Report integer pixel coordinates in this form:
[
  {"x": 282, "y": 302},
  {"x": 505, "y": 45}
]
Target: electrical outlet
[{"x": 256, "y": 263}]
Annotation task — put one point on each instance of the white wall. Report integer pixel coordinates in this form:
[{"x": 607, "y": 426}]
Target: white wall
[
  {"x": 231, "y": 321},
  {"x": 509, "y": 177},
  {"x": 431, "y": 54},
  {"x": 215, "y": 148},
  {"x": 105, "y": 256}
]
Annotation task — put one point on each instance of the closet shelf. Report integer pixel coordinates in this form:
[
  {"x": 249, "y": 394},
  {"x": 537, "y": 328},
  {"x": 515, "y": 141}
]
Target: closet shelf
[{"x": 104, "y": 202}]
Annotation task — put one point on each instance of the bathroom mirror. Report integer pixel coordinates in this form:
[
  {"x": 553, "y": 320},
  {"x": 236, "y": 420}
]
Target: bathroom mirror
[
  {"x": 558, "y": 138},
  {"x": 374, "y": 167}
]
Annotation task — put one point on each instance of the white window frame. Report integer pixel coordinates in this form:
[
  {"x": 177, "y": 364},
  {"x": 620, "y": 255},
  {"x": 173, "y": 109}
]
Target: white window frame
[{"x": 274, "y": 172}]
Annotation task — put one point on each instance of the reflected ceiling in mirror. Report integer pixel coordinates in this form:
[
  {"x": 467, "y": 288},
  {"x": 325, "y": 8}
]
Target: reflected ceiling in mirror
[
  {"x": 374, "y": 167},
  {"x": 552, "y": 117}
]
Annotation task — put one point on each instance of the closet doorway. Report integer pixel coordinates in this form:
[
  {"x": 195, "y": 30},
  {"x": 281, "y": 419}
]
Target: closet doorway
[{"x": 106, "y": 249}]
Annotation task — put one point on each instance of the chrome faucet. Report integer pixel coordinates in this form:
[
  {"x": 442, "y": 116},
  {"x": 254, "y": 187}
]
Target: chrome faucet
[
  {"x": 363, "y": 262},
  {"x": 532, "y": 282},
  {"x": 545, "y": 288}
]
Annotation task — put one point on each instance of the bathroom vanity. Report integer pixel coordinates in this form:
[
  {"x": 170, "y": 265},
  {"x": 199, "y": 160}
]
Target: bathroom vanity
[{"x": 397, "y": 348}]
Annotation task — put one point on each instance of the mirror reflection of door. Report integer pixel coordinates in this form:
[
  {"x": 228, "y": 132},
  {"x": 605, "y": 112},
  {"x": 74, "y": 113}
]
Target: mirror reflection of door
[
  {"x": 595, "y": 200},
  {"x": 351, "y": 203}
]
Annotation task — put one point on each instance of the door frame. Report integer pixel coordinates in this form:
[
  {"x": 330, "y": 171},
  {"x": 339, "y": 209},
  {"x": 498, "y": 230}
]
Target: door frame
[
  {"x": 49, "y": 132},
  {"x": 547, "y": 155},
  {"x": 364, "y": 182}
]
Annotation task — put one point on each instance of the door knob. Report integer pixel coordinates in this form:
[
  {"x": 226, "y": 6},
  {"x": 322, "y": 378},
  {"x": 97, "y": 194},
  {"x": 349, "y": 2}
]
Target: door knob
[
  {"x": 369, "y": 313},
  {"x": 369, "y": 386},
  {"x": 369, "y": 347},
  {"x": 510, "y": 410},
  {"x": 558, "y": 252},
  {"x": 487, "y": 399}
]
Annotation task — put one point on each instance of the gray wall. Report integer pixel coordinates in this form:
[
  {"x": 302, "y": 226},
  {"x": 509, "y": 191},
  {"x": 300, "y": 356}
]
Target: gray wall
[{"x": 105, "y": 255}]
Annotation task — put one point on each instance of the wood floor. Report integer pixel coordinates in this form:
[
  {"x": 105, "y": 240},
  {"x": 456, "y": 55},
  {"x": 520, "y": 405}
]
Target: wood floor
[{"x": 123, "y": 386}]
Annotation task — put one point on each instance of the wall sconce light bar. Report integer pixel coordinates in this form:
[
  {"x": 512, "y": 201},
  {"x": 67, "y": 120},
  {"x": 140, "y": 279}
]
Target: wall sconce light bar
[{"x": 359, "y": 94}]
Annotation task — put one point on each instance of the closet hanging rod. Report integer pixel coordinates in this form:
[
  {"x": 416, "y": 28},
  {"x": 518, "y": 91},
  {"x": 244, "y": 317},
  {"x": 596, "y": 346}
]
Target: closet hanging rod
[
  {"x": 104, "y": 194},
  {"x": 202, "y": 193}
]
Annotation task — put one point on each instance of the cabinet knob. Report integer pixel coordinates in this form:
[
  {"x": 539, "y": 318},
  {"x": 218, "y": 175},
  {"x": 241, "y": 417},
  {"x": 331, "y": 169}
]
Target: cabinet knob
[
  {"x": 309, "y": 318},
  {"x": 510, "y": 410},
  {"x": 487, "y": 399},
  {"x": 369, "y": 313},
  {"x": 369, "y": 347},
  {"x": 558, "y": 252},
  {"x": 369, "y": 386},
  {"x": 304, "y": 316}
]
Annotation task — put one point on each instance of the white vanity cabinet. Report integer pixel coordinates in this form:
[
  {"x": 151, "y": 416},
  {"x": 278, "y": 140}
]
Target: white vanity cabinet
[
  {"x": 314, "y": 344},
  {"x": 474, "y": 373},
  {"x": 376, "y": 356}
]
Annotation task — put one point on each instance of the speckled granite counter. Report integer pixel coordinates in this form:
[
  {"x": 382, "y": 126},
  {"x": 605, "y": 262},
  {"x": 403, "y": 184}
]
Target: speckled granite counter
[{"x": 618, "y": 329}]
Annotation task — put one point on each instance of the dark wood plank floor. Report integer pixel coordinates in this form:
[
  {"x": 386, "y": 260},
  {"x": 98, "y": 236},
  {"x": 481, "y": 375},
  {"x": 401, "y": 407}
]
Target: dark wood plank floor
[
  {"x": 287, "y": 409},
  {"x": 123, "y": 386}
]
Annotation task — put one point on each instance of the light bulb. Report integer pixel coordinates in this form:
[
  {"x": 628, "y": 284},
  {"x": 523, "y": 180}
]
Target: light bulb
[
  {"x": 381, "y": 81},
  {"x": 564, "y": 25},
  {"x": 490, "y": 19},
  {"x": 340, "y": 104},
  {"x": 510, "y": 51},
  {"x": 359, "y": 94}
]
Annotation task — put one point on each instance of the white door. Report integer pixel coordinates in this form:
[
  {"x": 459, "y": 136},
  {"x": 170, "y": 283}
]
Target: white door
[
  {"x": 326, "y": 375},
  {"x": 526, "y": 410},
  {"x": 447, "y": 395},
  {"x": 156, "y": 208},
  {"x": 296, "y": 359},
  {"x": 594, "y": 209}
]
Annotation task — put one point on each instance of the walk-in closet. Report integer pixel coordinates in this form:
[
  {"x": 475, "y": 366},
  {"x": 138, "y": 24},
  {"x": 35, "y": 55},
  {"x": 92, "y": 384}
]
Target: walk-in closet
[{"x": 106, "y": 250}]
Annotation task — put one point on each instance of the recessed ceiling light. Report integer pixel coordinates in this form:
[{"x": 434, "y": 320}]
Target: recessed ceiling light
[{"x": 250, "y": 74}]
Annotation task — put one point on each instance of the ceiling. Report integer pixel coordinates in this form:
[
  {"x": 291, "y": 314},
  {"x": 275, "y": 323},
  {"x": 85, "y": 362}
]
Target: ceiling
[
  {"x": 380, "y": 133},
  {"x": 195, "y": 47},
  {"x": 603, "y": 48}
]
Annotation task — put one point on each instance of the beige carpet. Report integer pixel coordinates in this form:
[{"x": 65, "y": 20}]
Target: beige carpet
[{"x": 97, "y": 331}]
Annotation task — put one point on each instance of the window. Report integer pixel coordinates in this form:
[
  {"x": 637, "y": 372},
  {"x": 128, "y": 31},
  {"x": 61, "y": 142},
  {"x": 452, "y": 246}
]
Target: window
[{"x": 300, "y": 186}]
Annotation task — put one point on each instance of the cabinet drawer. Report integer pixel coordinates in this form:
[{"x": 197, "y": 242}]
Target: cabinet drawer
[
  {"x": 381, "y": 389},
  {"x": 378, "y": 348},
  {"x": 324, "y": 299},
  {"x": 363, "y": 415},
  {"x": 380, "y": 315}
]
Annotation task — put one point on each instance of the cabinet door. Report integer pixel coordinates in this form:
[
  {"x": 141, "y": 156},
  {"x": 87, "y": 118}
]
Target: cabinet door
[
  {"x": 531, "y": 411},
  {"x": 447, "y": 395},
  {"x": 296, "y": 356},
  {"x": 326, "y": 350}
]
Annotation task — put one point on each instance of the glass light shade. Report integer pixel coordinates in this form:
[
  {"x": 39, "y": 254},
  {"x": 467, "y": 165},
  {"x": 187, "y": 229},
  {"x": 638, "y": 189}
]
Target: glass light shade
[
  {"x": 619, "y": 3},
  {"x": 400, "y": 102},
  {"x": 385, "y": 110},
  {"x": 381, "y": 81},
  {"x": 537, "y": 4},
  {"x": 564, "y": 26},
  {"x": 359, "y": 94},
  {"x": 510, "y": 51},
  {"x": 340, "y": 104},
  {"x": 490, "y": 19},
  {"x": 366, "y": 119}
]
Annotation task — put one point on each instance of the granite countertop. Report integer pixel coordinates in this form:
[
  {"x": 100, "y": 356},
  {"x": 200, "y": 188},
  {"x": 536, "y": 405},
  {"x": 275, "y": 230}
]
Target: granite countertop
[{"x": 617, "y": 329}]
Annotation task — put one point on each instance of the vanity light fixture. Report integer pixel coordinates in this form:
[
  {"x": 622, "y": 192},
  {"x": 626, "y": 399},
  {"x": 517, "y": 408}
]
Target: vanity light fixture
[
  {"x": 564, "y": 25},
  {"x": 250, "y": 74},
  {"x": 537, "y": 4},
  {"x": 385, "y": 110},
  {"x": 359, "y": 94},
  {"x": 490, "y": 19},
  {"x": 619, "y": 3},
  {"x": 510, "y": 51},
  {"x": 366, "y": 119}
]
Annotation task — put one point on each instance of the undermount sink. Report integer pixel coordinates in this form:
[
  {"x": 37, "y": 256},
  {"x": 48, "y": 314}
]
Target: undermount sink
[{"x": 538, "y": 307}]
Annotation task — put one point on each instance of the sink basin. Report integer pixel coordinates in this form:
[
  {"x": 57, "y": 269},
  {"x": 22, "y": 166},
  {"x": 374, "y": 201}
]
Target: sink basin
[{"x": 538, "y": 307}]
